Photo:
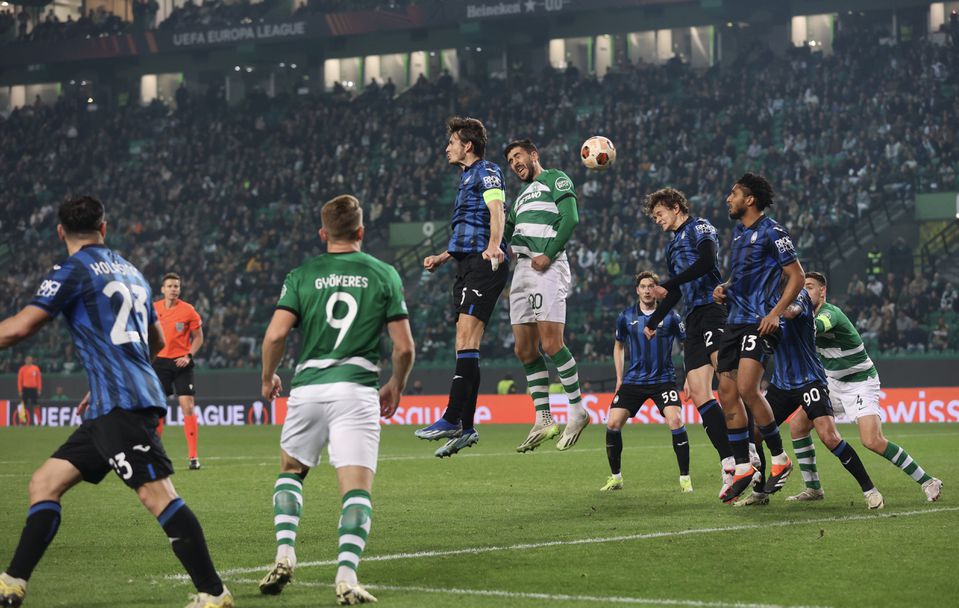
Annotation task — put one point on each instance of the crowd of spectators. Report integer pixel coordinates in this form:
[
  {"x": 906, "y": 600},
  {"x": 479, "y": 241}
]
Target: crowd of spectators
[
  {"x": 904, "y": 313},
  {"x": 23, "y": 26},
  {"x": 217, "y": 13},
  {"x": 95, "y": 23},
  {"x": 228, "y": 196}
]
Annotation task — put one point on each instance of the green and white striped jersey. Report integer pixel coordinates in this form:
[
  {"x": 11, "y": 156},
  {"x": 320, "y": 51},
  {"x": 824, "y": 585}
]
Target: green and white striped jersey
[
  {"x": 840, "y": 347},
  {"x": 534, "y": 219},
  {"x": 342, "y": 301}
]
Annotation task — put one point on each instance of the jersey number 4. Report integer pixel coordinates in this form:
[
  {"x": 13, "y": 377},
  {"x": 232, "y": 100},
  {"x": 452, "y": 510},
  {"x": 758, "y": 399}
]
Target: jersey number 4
[{"x": 119, "y": 334}]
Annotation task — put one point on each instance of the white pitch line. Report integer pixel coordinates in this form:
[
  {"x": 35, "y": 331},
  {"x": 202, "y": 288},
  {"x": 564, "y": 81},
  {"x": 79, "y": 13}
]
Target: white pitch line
[
  {"x": 475, "y": 454},
  {"x": 561, "y": 597},
  {"x": 589, "y": 541}
]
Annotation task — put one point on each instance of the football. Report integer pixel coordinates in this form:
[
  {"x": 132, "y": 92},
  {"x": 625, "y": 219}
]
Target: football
[{"x": 598, "y": 153}]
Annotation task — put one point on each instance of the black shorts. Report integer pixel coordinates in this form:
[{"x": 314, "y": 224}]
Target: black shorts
[
  {"x": 175, "y": 380},
  {"x": 632, "y": 396},
  {"x": 29, "y": 396},
  {"x": 124, "y": 441},
  {"x": 704, "y": 331},
  {"x": 812, "y": 398},
  {"x": 742, "y": 341},
  {"x": 477, "y": 287}
]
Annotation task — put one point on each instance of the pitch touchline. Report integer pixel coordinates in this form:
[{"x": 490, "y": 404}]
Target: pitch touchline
[
  {"x": 588, "y": 541},
  {"x": 561, "y": 597}
]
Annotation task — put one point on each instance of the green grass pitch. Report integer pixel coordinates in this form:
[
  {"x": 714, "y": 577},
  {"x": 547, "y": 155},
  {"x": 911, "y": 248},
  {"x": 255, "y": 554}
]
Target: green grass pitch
[{"x": 494, "y": 528}]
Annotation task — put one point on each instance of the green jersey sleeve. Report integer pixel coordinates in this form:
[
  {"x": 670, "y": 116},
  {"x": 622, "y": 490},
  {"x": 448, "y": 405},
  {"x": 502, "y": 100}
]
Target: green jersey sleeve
[
  {"x": 828, "y": 318},
  {"x": 396, "y": 301},
  {"x": 564, "y": 195},
  {"x": 290, "y": 296},
  {"x": 561, "y": 186}
]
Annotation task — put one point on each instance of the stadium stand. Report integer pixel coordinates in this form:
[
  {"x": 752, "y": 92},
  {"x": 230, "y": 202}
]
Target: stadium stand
[{"x": 841, "y": 138}]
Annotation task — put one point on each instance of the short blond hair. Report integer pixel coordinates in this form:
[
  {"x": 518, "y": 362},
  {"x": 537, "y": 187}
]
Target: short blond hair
[
  {"x": 342, "y": 216},
  {"x": 647, "y": 274}
]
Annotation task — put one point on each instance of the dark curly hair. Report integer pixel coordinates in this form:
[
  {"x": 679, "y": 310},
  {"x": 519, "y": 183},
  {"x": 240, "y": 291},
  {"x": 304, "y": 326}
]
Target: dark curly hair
[{"x": 757, "y": 187}]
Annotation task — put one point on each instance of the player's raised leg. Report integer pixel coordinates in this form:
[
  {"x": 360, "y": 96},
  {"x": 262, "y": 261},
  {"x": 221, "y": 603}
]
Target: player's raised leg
[
  {"x": 748, "y": 379},
  {"x": 699, "y": 382},
  {"x": 551, "y": 337},
  {"x": 526, "y": 339}
]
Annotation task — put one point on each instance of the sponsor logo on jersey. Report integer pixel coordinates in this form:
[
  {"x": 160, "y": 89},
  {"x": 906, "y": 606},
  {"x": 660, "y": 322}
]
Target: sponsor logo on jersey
[
  {"x": 705, "y": 229},
  {"x": 282, "y": 292},
  {"x": 785, "y": 245},
  {"x": 492, "y": 181},
  {"x": 48, "y": 289},
  {"x": 564, "y": 183}
]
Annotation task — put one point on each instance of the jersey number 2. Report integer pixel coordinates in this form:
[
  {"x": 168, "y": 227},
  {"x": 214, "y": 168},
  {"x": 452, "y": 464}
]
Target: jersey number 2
[
  {"x": 343, "y": 323},
  {"x": 119, "y": 333}
]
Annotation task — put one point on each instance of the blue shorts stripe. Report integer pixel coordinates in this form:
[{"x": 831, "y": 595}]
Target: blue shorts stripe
[{"x": 153, "y": 474}]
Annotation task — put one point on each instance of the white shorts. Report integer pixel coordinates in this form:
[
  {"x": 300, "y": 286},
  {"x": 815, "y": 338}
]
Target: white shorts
[
  {"x": 343, "y": 414},
  {"x": 855, "y": 399},
  {"x": 539, "y": 296}
]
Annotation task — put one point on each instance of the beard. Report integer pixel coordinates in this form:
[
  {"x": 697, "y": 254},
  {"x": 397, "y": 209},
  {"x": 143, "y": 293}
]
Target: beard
[
  {"x": 529, "y": 173},
  {"x": 735, "y": 214}
]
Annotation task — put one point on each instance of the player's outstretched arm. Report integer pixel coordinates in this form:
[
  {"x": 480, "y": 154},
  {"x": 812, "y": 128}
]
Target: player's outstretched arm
[
  {"x": 794, "y": 283},
  {"x": 22, "y": 325},
  {"x": 793, "y": 311},
  {"x": 404, "y": 353},
  {"x": 673, "y": 296},
  {"x": 705, "y": 262},
  {"x": 432, "y": 262},
  {"x": 274, "y": 343}
]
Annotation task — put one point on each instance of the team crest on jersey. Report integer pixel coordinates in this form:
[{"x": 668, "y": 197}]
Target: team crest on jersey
[
  {"x": 180, "y": 327},
  {"x": 48, "y": 289},
  {"x": 564, "y": 183},
  {"x": 753, "y": 238},
  {"x": 492, "y": 181}
]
